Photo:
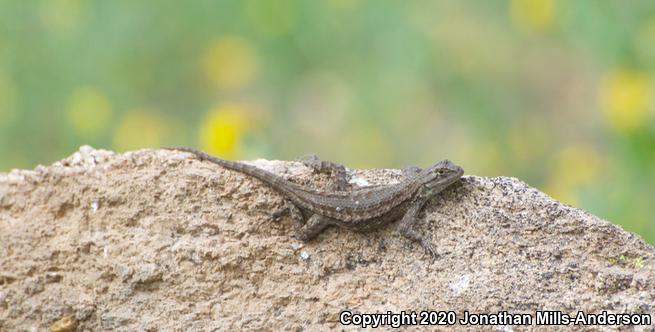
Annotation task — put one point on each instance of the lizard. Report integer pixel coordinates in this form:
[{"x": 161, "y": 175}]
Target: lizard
[{"x": 361, "y": 209}]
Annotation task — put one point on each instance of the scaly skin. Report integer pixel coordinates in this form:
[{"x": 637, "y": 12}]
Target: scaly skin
[{"x": 360, "y": 209}]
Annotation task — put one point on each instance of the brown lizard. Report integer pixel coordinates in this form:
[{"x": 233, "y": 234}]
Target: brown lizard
[{"x": 360, "y": 209}]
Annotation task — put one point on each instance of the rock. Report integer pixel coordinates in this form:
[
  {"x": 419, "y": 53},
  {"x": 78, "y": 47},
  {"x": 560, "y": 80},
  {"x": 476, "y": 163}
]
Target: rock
[
  {"x": 157, "y": 240},
  {"x": 66, "y": 324}
]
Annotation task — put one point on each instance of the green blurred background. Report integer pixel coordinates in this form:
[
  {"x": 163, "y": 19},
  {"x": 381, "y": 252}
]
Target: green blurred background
[{"x": 557, "y": 93}]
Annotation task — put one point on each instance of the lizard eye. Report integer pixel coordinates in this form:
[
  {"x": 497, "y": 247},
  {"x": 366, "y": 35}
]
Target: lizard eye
[{"x": 439, "y": 172}]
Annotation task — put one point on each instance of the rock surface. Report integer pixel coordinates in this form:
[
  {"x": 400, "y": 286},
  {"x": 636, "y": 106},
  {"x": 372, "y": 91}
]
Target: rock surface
[{"x": 157, "y": 240}]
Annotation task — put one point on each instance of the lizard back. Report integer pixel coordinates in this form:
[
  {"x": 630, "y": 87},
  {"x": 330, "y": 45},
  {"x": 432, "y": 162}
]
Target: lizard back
[{"x": 346, "y": 206}]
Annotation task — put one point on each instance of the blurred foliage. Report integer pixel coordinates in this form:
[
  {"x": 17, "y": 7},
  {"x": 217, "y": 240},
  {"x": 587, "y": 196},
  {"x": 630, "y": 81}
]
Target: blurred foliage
[{"x": 558, "y": 93}]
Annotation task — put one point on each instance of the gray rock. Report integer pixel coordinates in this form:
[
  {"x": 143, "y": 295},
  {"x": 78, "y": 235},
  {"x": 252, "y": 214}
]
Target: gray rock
[{"x": 204, "y": 253}]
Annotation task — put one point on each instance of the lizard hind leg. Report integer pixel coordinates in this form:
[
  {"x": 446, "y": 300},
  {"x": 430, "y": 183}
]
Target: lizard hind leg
[
  {"x": 314, "y": 226},
  {"x": 289, "y": 209},
  {"x": 337, "y": 172}
]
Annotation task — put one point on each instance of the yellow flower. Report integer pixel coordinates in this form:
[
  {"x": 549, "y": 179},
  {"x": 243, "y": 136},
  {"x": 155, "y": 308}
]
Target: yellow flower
[
  {"x": 533, "y": 14},
  {"x": 222, "y": 131},
  {"x": 89, "y": 111},
  {"x": 625, "y": 98},
  {"x": 573, "y": 168},
  {"x": 139, "y": 128},
  {"x": 230, "y": 63}
]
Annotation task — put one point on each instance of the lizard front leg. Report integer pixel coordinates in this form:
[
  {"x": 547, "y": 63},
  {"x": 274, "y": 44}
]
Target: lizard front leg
[{"x": 406, "y": 227}]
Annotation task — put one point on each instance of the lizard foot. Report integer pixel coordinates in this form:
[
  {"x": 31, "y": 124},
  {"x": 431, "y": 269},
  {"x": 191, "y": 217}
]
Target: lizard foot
[
  {"x": 314, "y": 226},
  {"x": 279, "y": 213},
  {"x": 337, "y": 172},
  {"x": 312, "y": 161},
  {"x": 429, "y": 248}
]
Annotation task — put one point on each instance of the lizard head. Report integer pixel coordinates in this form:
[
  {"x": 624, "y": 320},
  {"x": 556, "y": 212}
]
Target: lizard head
[{"x": 439, "y": 176}]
